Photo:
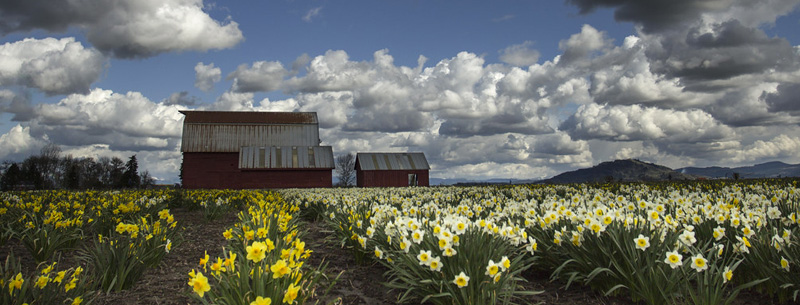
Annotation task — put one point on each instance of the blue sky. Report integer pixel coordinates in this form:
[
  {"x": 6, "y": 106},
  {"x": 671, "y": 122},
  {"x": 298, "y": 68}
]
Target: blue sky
[{"x": 506, "y": 89}]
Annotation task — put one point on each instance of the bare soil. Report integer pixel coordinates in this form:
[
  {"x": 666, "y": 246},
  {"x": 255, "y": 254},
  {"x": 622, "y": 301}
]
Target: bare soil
[{"x": 356, "y": 284}]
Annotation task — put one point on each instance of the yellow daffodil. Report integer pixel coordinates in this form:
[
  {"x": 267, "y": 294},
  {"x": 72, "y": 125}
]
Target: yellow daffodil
[
  {"x": 262, "y": 301},
  {"x": 257, "y": 251},
  {"x": 199, "y": 284},
  {"x": 279, "y": 269}
]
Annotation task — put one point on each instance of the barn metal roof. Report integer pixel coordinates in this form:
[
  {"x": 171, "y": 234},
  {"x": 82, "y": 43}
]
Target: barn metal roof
[
  {"x": 227, "y": 131},
  {"x": 249, "y": 117},
  {"x": 392, "y": 161},
  {"x": 229, "y": 138},
  {"x": 288, "y": 157}
]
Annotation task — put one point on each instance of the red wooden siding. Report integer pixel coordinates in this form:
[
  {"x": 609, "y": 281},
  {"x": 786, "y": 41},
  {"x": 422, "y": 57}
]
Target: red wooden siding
[
  {"x": 389, "y": 178},
  {"x": 220, "y": 170}
]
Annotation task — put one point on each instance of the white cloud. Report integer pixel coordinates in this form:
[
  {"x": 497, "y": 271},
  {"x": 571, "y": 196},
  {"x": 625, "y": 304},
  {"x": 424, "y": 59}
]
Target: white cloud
[
  {"x": 520, "y": 55},
  {"x": 54, "y": 66},
  {"x": 582, "y": 44},
  {"x": 261, "y": 76},
  {"x": 103, "y": 111},
  {"x": 636, "y": 123},
  {"x": 312, "y": 13},
  {"x": 128, "y": 28},
  {"x": 206, "y": 76},
  {"x": 781, "y": 146},
  {"x": 18, "y": 143}
]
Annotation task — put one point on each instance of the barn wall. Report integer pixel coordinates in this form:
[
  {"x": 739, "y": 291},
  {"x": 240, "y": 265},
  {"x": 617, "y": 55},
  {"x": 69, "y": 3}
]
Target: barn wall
[
  {"x": 220, "y": 171},
  {"x": 389, "y": 178}
]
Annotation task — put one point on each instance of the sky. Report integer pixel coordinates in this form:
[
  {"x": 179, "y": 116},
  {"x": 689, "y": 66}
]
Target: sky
[{"x": 506, "y": 89}]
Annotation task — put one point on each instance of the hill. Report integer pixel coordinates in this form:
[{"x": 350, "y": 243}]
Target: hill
[
  {"x": 764, "y": 170},
  {"x": 620, "y": 170}
]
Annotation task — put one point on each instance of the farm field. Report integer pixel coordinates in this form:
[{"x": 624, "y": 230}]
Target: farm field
[{"x": 708, "y": 242}]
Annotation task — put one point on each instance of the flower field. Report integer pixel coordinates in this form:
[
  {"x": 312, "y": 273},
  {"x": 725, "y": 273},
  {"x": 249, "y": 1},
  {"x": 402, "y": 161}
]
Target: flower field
[{"x": 684, "y": 243}]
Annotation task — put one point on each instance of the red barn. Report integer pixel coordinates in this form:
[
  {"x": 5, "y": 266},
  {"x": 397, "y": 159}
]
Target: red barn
[
  {"x": 392, "y": 169},
  {"x": 242, "y": 150}
]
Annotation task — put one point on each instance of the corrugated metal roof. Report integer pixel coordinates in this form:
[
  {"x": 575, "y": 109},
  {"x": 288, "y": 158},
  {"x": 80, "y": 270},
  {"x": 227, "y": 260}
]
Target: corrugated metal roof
[
  {"x": 274, "y": 157},
  {"x": 229, "y": 138},
  {"x": 392, "y": 161},
  {"x": 249, "y": 117}
]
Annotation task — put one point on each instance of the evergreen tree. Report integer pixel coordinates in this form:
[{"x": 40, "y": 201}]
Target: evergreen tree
[
  {"x": 11, "y": 178},
  {"x": 130, "y": 178}
]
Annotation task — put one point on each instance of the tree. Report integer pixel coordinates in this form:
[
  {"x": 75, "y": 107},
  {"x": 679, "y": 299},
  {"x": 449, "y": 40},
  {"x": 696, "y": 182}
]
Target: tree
[
  {"x": 115, "y": 169},
  {"x": 147, "y": 180},
  {"x": 48, "y": 165},
  {"x": 130, "y": 178},
  {"x": 11, "y": 178},
  {"x": 346, "y": 169}
]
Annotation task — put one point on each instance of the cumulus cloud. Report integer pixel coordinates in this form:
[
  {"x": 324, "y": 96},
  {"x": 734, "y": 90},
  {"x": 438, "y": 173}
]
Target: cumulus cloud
[
  {"x": 582, "y": 44},
  {"x": 126, "y": 29},
  {"x": 785, "y": 98},
  {"x": 260, "y": 76},
  {"x": 54, "y": 66},
  {"x": 780, "y": 146},
  {"x": 123, "y": 121},
  {"x": 520, "y": 55},
  {"x": 206, "y": 76},
  {"x": 636, "y": 123},
  {"x": 18, "y": 143}
]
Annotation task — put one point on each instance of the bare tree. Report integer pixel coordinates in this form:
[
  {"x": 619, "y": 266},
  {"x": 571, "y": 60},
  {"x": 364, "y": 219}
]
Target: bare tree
[{"x": 346, "y": 169}]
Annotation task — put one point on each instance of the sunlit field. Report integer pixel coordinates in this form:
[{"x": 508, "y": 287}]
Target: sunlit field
[{"x": 685, "y": 243}]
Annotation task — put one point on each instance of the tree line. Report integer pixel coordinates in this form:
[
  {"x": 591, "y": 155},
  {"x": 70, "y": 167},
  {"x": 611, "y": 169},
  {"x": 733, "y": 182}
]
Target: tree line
[{"x": 51, "y": 170}]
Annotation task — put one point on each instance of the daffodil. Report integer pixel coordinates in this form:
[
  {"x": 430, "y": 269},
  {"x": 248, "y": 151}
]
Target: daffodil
[
  {"x": 279, "y": 269},
  {"x": 727, "y": 274},
  {"x": 262, "y": 301},
  {"x": 424, "y": 257},
  {"x": 15, "y": 283},
  {"x": 492, "y": 268},
  {"x": 199, "y": 284},
  {"x": 42, "y": 281},
  {"x": 699, "y": 263},
  {"x": 532, "y": 245},
  {"x": 291, "y": 294},
  {"x": 417, "y": 236},
  {"x": 784, "y": 264},
  {"x": 674, "y": 259},
  {"x": 642, "y": 242},
  {"x": 435, "y": 264},
  {"x": 256, "y": 251},
  {"x": 461, "y": 280},
  {"x": 505, "y": 263}
]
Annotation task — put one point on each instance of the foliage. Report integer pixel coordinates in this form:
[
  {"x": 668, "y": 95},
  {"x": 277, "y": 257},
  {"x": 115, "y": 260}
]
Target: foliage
[
  {"x": 265, "y": 260},
  {"x": 47, "y": 285},
  {"x": 118, "y": 260}
]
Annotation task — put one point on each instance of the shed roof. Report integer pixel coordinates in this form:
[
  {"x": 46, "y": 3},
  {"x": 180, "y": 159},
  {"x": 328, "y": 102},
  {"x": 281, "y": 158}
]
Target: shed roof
[
  {"x": 286, "y": 157},
  {"x": 392, "y": 161},
  {"x": 248, "y": 117}
]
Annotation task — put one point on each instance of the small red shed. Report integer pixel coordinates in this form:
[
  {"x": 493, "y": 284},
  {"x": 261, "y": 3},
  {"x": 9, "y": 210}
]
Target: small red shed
[
  {"x": 245, "y": 150},
  {"x": 392, "y": 169}
]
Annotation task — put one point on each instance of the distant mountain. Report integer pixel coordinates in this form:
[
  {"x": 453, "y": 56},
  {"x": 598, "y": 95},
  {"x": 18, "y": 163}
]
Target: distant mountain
[
  {"x": 620, "y": 170},
  {"x": 444, "y": 181},
  {"x": 764, "y": 170}
]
